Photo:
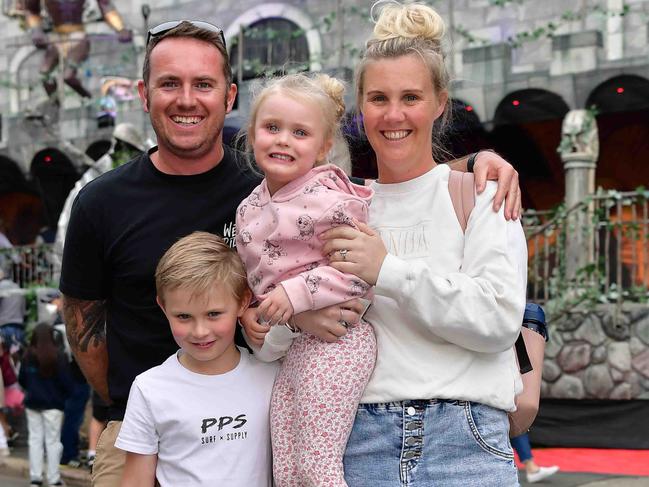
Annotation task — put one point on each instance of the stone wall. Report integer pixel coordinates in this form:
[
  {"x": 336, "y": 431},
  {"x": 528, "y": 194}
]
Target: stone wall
[
  {"x": 598, "y": 354},
  {"x": 583, "y": 54}
]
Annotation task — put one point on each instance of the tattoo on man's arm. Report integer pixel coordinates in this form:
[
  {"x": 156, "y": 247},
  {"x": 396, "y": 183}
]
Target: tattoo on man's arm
[{"x": 85, "y": 323}]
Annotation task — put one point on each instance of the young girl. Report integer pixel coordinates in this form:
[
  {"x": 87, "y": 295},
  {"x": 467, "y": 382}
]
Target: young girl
[
  {"x": 293, "y": 124},
  {"x": 47, "y": 382}
]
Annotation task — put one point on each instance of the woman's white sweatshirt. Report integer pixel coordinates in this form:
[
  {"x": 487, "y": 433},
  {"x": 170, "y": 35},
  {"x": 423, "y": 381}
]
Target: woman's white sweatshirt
[{"x": 448, "y": 305}]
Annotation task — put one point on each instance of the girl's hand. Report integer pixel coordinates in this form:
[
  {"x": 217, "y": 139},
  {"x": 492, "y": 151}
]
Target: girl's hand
[
  {"x": 490, "y": 166},
  {"x": 255, "y": 331},
  {"x": 355, "y": 251},
  {"x": 329, "y": 324},
  {"x": 275, "y": 307}
]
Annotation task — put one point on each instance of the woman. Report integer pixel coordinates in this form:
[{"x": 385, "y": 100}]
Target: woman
[{"x": 448, "y": 305}]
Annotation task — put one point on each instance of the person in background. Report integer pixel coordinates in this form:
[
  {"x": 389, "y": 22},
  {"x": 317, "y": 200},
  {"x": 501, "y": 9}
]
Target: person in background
[
  {"x": 127, "y": 142},
  {"x": 12, "y": 396},
  {"x": 533, "y": 472},
  {"x": 75, "y": 404},
  {"x": 12, "y": 339},
  {"x": 12, "y": 314},
  {"x": 6, "y": 258},
  {"x": 45, "y": 377},
  {"x": 4, "y": 446},
  {"x": 98, "y": 423},
  {"x": 5, "y": 243}
]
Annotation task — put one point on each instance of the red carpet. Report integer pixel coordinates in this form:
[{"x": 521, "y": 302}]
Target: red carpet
[{"x": 622, "y": 462}]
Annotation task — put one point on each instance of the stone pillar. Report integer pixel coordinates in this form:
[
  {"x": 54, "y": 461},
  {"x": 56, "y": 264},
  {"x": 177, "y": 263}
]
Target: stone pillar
[{"x": 579, "y": 151}]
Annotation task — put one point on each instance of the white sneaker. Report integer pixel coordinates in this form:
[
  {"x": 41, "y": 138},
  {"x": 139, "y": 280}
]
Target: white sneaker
[{"x": 543, "y": 473}]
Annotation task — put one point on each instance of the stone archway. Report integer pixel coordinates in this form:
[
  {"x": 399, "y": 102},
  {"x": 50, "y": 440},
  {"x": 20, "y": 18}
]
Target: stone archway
[
  {"x": 21, "y": 207},
  {"x": 527, "y": 132},
  {"x": 625, "y": 93},
  {"x": 55, "y": 176},
  {"x": 622, "y": 105},
  {"x": 281, "y": 11},
  {"x": 531, "y": 105}
]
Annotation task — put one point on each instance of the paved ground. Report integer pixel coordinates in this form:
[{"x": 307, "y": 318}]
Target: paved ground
[
  {"x": 17, "y": 467},
  {"x": 11, "y": 481},
  {"x": 562, "y": 479}
]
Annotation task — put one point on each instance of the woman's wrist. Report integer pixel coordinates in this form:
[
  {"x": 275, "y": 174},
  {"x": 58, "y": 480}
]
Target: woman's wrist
[{"x": 473, "y": 158}]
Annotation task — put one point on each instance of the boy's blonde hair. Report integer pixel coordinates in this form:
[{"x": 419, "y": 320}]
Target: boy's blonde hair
[
  {"x": 322, "y": 90},
  {"x": 198, "y": 262}
]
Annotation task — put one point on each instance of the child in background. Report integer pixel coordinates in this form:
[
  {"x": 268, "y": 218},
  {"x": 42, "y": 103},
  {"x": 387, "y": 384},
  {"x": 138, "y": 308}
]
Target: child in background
[
  {"x": 201, "y": 417},
  {"x": 9, "y": 379},
  {"x": 98, "y": 423},
  {"x": 294, "y": 122},
  {"x": 45, "y": 377},
  {"x": 533, "y": 472},
  {"x": 4, "y": 446}
]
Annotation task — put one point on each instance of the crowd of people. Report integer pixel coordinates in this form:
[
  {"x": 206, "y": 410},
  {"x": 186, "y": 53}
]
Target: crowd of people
[
  {"x": 376, "y": 337},
  {"x": 41, "y": 384}
]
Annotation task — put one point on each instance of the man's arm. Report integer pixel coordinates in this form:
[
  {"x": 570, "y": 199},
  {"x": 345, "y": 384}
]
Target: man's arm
[
  {"x": 459, "y": 164},
  {"x": 490, "y": 166},
  {"x": 85, "y": 326}
]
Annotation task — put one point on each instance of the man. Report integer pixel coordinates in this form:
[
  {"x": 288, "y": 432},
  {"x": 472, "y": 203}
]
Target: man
[
  {"x": 7, "y": 258},
  {"x": 122, "y": 222}
]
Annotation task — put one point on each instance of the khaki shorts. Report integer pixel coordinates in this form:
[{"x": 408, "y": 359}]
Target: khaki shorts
[{"x": 109, "y": 462}]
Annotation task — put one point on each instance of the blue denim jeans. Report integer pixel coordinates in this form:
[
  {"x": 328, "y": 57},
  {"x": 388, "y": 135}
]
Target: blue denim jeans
[
  {"x": 12, "y": 334},
  {"x": 75, "y": 406},
  {"x": 522, "y": 446},
  {"x": 430, "y": 443}
]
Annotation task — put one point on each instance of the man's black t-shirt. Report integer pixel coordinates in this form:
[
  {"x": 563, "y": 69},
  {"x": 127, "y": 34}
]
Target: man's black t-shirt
[{"x": 121, "y": 224}]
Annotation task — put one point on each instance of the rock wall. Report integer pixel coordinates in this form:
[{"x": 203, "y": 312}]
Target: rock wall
[{"x": 598, "y": 354}]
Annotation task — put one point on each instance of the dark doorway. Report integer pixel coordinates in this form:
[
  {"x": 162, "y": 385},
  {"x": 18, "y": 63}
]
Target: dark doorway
[
  {"x": 622, "y": 105},
  {"x": 527, "y": 132},
  {"x": 55, "y": 176},
  {"x": 21, "y": 207}
]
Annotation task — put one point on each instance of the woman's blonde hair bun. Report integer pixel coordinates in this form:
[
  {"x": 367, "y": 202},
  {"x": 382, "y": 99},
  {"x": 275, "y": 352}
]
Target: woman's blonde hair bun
[{"x": 408, "y": 21}]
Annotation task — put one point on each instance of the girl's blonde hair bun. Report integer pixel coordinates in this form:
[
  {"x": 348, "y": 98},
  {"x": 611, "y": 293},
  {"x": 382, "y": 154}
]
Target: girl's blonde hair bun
[{"x": 335, "y": 89}]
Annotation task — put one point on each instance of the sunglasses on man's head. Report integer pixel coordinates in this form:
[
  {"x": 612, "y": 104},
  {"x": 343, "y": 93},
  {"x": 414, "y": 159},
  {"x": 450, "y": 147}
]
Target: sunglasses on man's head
[{"x": 165, "y": 27}]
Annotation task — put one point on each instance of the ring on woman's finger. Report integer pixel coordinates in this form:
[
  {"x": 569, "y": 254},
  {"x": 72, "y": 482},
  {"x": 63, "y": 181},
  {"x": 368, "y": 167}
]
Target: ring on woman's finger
[{"x": 343, "y": 254}]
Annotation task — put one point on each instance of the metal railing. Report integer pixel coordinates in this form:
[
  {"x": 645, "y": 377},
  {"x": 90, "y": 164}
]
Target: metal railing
[
  {"x": 28, "y": 265},
  {"x": 612, "y": 229},
  {"x": 614, "y": 235}
]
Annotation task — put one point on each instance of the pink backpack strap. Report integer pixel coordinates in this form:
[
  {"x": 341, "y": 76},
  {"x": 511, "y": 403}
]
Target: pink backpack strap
[{"x": 460, "y": 187}]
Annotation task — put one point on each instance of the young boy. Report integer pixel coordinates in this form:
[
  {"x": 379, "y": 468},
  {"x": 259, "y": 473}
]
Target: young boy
[{"x": 201, "y": 418}]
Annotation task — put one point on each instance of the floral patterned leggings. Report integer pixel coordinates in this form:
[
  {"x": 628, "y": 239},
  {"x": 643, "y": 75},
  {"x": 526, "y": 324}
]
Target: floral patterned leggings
[{"x": 313, "y": 406}]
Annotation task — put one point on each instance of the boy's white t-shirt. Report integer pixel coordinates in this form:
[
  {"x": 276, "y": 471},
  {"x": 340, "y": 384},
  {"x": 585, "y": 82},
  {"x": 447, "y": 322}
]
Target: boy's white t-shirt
[{"x": 207, "y": 430}]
